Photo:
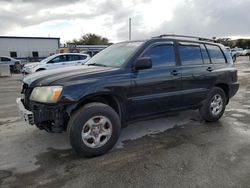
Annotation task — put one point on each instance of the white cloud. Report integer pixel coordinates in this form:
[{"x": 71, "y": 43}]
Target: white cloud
[{"x": 109, "y": 18}]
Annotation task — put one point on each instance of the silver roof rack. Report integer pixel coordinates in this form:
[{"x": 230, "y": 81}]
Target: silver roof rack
[{"x": 184, "y": 36}]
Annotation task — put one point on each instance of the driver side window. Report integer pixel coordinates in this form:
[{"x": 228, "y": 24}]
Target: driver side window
[
  {"x": 58, "y": 59},
  {"x": 161, "y": 55}
]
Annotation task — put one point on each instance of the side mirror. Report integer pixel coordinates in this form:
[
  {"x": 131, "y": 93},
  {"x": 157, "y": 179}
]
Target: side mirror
[{"x": 143, "y": 63}]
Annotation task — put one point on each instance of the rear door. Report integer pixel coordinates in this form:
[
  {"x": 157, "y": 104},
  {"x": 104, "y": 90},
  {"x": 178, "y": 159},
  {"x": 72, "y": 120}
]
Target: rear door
[
  {"x": 72, "y": 60},
  {"x": 157, "y": 89},
  {"x": 75, "y": 59},
  {"x": 218, "y": 58},
  {"x": 197, "y": 72}
]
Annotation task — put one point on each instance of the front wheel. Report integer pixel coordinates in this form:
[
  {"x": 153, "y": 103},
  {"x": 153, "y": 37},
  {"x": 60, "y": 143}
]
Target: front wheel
[
  {"x": 94, "y": 129},
  {"x": 214, "y": 106}
]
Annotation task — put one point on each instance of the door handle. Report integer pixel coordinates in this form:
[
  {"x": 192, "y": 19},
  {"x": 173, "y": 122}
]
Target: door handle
[
  {"x": 175, "y": 73},
  {"x": 64, "y": 64},
  {"x": 209, "y": 69}
]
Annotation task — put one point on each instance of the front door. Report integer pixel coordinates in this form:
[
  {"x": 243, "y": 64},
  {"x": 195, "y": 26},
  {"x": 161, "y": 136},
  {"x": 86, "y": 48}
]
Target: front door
[
  {"x": 157, "y": 89},
  {"x": 57, "y": 62}
]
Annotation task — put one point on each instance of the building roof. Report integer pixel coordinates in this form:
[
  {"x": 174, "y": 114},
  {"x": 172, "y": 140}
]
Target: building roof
[{"x": 18, "y": 37}]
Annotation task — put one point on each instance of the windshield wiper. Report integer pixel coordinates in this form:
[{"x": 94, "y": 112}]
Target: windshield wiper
[{"x": 97, "y": 64}]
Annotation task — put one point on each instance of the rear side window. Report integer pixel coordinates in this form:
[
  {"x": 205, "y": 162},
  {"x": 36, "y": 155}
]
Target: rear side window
[
  {"x": 161, "y": 55},
  {"x": 82, "y": 57},
  {"x": 216, "y": 54},
  {"x": 73, "y": 57},
  {"x": 190, "y": 54}
]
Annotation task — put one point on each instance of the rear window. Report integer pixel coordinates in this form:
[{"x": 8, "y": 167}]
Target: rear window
[
  {"x": 216, "y": 54},
  {"x": 190, "y": 54}
]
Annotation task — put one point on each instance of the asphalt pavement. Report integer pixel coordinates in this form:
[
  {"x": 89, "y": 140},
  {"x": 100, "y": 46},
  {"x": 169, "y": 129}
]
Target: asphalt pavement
[{"x": 180, "y": 150}]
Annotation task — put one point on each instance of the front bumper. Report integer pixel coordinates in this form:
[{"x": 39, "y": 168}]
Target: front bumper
[
  {"x": 52, "y": 118},
  {"x": 25, "y": 114}
]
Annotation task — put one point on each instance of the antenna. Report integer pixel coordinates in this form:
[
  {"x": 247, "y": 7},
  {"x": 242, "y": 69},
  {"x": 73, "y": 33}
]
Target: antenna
[{"x": 129, "y": 29}]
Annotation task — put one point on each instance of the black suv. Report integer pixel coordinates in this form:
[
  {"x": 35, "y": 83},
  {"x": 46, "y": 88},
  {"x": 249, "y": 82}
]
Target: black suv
[{"x": 128, "y": 81}]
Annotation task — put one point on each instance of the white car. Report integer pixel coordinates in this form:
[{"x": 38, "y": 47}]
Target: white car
[
  {"x": 246, "y": 52},
  {"x": 232, "y": 52},
  {"x": 56, "y": 61},
  {"x": 9, "y": 60},
  {"x": 15, "y": 65}
]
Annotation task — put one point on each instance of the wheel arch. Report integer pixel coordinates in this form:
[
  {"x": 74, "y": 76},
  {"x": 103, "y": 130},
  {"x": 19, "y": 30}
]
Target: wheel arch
[
  {"x": 225, "y": 88},
  {"x": 113, "y": 101},
  {"x": 40, "y": 69}
]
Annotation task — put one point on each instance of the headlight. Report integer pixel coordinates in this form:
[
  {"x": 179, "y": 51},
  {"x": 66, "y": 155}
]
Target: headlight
[{"x": 46, "y": 94}]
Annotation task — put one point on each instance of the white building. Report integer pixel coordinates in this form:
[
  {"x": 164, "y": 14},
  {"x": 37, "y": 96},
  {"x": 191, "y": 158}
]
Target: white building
[{"x": 25, "y": 48}]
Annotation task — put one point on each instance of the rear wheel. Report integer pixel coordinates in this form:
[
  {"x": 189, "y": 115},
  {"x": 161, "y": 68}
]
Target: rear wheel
[
  {"x": 94, "y": 129},
  {"x": 214, "y": 106}
]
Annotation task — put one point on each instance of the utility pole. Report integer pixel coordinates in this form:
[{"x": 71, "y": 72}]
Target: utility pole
[{"x": 129, "y": 29}]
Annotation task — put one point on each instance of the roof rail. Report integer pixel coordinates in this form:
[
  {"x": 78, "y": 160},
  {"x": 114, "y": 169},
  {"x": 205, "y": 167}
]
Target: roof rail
[{"x": 184, "y": 36}]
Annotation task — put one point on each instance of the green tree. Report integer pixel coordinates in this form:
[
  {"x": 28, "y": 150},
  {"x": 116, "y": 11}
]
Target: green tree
[
  {"x": 91, "y": 39},
  {"x": 240, "y": 43},
  {"x": 247, "y": 43},
  {"x": 225, "y": 41}
]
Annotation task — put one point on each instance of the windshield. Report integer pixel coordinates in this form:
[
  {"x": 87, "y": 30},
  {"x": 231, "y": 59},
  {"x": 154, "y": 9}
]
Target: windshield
[
  {"x": 115, "y": 55},
  {"x": 48, "y": 58}
]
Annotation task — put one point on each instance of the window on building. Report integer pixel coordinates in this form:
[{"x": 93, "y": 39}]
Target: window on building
[
  {"x": 216, "y": 54},
  {"x": 35, "y": 54},
  {"x": 13, "y": 54},
  {"x": 161, "y": 55},
  {"x": 190, "y": 55}
]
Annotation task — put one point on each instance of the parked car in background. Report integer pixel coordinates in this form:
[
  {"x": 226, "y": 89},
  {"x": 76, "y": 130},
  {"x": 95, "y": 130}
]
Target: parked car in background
[
  {"x": 56, "y": 61},
  {"x": 15, "y": 65},
  {"x": 232, "y": 52},
  {"x": 246, "y": 52},
  {"x": 239, "y": 51}
]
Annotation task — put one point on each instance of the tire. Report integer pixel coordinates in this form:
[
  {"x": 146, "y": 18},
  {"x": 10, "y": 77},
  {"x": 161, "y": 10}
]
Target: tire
[
  {"x": 94, "y": 129},
  {"x": 216, "y": 99}
]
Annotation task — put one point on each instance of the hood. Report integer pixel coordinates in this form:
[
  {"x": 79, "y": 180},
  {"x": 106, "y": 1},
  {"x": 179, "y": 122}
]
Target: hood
[
  {"x": 61, "y": 76},
  {"x": 32, "y": 64}
]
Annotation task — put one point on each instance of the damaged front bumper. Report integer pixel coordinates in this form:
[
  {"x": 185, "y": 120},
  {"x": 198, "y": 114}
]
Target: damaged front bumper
[
  {"x": 52, "y": 118},
  {"x": 25, "y": 114}
]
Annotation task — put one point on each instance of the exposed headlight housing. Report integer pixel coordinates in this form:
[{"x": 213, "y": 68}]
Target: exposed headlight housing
[{"x": 46, "y": 94}]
